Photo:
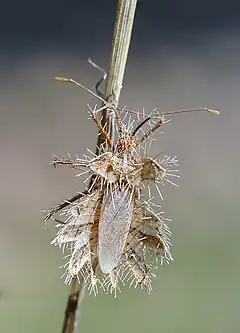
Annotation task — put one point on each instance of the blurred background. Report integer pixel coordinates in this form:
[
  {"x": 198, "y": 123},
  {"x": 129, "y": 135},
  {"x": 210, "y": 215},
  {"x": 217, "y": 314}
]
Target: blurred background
[{"x": 184, "y": 54}]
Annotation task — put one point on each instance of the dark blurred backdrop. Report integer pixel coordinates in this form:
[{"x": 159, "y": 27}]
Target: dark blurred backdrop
[{"x": 184, "y": 54}]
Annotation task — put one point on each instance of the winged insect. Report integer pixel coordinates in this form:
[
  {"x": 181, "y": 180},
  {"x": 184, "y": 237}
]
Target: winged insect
[{"x": 110, "y": 229}]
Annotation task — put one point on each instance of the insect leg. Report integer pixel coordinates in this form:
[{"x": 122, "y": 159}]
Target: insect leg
[
  {"x": 152, "y": 130},
  {"x": 100, "y": 126},
  {"x": 75, "y": 164},
  {"x": 63, "y": 205}
]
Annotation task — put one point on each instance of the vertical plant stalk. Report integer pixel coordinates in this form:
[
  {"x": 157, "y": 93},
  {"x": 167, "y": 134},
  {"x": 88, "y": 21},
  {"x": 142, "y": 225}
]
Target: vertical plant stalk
[{"x": 120, "y": 46}]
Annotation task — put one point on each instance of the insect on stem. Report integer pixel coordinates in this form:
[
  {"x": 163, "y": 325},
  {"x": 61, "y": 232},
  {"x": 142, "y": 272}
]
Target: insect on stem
[{"x": 112, "y": 229}]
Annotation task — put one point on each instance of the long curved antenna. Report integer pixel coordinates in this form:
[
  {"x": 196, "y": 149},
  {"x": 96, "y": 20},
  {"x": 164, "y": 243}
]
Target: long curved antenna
[
  {"x": 216, "y": 112},
  {"x": 161, "y": 121},
  {"x": 69, "y": 80},
  {"x": 103, "y": 78},
  {"x": 97, "y": 86}
]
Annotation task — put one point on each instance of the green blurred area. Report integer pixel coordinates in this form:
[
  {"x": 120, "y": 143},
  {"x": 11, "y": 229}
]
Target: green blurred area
[{"x": 199, "y": 290}]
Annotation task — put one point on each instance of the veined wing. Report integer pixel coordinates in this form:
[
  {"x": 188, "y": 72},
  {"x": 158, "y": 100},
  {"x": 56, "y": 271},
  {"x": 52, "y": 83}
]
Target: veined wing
[
  {"x": 114, "y": 225},
  {"x": 79, "y": 220}
]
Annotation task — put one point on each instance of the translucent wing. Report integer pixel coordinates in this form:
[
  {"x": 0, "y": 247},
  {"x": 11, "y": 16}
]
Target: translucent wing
[{"x": 114, "y": 225}]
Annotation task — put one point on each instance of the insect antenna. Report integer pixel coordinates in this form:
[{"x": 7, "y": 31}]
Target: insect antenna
[
  {"x": 97, "y": 95},
  {"x": 102, "y": 79},
  {"x": 100, "y": 94},
  {"x": 216, "y": 112},
  {"x": 161, "y": 121}
]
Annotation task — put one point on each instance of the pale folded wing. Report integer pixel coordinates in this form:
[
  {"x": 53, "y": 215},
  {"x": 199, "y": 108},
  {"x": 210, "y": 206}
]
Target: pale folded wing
[{"x": 114, "y": 225}]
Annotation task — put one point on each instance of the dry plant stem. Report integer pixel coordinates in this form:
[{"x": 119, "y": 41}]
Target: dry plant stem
[
  {"x": 120, "y": 46},
  {"x": 72, "y": 311}
]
